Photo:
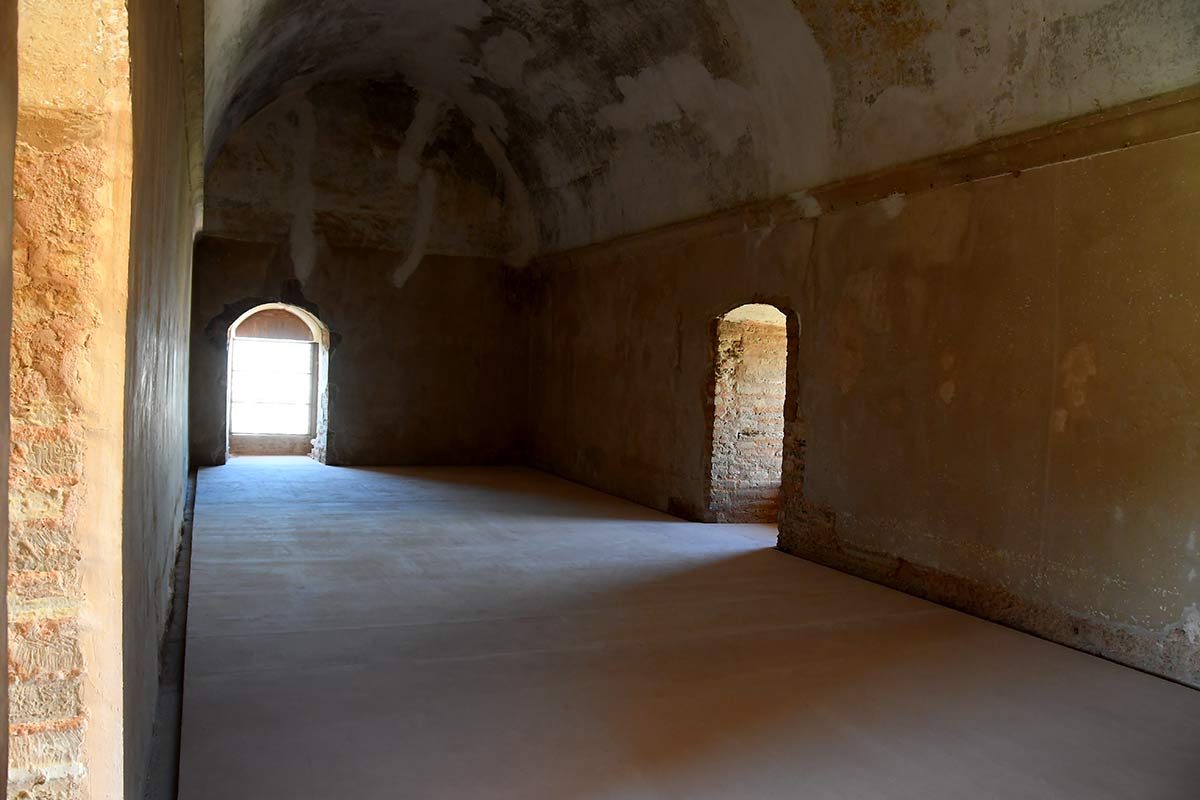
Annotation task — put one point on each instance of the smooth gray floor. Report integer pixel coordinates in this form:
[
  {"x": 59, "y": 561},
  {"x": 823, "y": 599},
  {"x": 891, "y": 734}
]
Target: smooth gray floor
[{"x": 470, "y": 634}]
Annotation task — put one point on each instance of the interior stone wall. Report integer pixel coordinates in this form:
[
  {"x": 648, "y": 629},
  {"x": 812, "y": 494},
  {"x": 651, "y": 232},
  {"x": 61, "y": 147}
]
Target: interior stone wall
[
  {"x": 428, "y": 372},
  {"x": 643, "y": 309},
  {"x": 749, "y": 391},
  {"x": 156, "y": 346},
  {"x": 994, "y": 402},
  {"x": 8, "y": 135},
  {"x": 70, "y": 269}
]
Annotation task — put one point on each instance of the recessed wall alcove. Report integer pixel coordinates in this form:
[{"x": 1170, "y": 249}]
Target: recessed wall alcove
[{"x": 278, "y": 376}]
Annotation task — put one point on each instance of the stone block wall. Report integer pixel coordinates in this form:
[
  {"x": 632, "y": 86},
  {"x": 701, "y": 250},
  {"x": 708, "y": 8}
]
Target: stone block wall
[{"x": 750, "y": 387}]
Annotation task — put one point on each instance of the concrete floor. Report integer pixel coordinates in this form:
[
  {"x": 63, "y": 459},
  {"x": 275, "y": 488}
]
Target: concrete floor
[{"x": 498, "y": 633}]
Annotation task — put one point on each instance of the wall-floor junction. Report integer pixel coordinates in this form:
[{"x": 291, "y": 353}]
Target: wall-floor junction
[{"x": 993, "y": 401}]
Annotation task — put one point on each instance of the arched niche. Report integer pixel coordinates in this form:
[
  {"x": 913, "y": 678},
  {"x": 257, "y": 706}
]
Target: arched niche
[
  {"x": 748, "y": 406},
  {"x": 277, "y": 397}
]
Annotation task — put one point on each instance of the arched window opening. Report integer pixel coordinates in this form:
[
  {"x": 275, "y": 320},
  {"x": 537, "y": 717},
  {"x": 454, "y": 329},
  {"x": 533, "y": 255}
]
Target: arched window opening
[
  {"x": 749, "y": 396},
  {"x": 278, "y": 362}
]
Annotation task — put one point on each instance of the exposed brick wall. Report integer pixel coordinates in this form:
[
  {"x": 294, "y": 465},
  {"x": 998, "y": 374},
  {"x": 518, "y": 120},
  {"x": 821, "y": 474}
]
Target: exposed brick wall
[
  {"x": 749, "y": 394},
  {"x": 70, "y": 259},
  {"x": 8, "y": 136},
  {"x": 53, "y": 317}
]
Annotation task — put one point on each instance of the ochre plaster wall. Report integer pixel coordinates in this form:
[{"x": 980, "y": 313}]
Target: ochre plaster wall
[
  {"x": 71, "y": 262},
  {"x": 156, "y": 364},
  {"x": 430, "y": 372},
  {"x": 8, "y": 134},
  {"x": 994, "y": 399}
]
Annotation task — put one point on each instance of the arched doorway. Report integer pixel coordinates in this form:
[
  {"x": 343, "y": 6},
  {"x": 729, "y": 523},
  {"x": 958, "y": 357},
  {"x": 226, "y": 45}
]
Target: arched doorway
[
  {"x": 748, "y": 401},
  {"x": 277, "y": 400}
]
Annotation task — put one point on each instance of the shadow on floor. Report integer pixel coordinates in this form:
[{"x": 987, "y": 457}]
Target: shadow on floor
[
  {"x": 508, "y": 488},
  {"x": 676, "y": 677},
  {"x": 479, "y": 637}
]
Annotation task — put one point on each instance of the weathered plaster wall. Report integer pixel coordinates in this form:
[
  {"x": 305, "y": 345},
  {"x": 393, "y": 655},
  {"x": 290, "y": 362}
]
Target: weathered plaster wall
[
  {"x": 564, "y": 98},
  {"x": 421, "y": 373},
  {"x": 155, "y": 364},
  {"x": 614, "y": 118},
  {"x": 70, "y": 267},
  {"x": 8, "y": 136},
  {"x": 749, "y": 390},
  {"x": 644, "y": 309},
  {"x": 916, "y": 78},
  {"x": 993, "y": 402}
]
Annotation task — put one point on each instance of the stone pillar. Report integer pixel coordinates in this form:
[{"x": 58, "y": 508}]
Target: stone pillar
[
  {"x": 70, "y": 284},
  {"x": 8, "y": 130}
]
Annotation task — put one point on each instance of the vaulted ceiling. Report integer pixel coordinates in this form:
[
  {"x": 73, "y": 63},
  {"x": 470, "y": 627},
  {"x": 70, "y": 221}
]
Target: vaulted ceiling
[{"x": 603, "y": 117}]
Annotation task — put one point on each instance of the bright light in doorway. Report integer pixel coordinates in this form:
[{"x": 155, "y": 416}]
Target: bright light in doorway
[{"x": 271, "y": 389}]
